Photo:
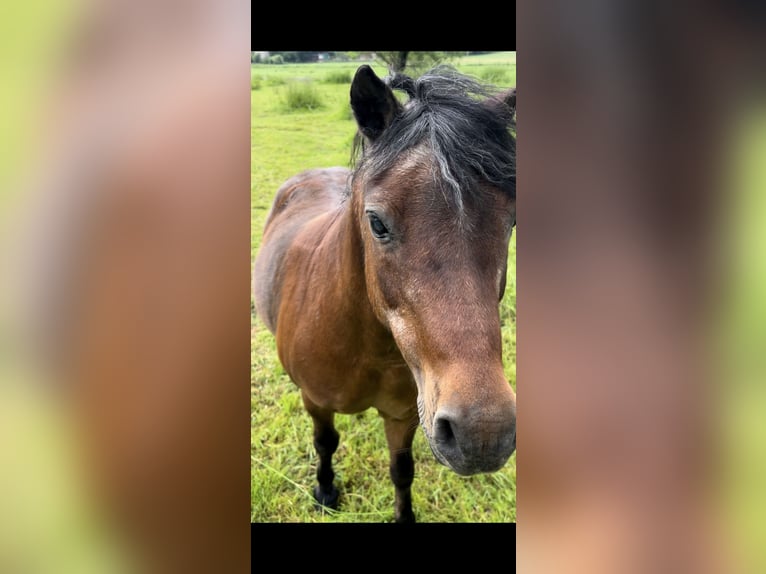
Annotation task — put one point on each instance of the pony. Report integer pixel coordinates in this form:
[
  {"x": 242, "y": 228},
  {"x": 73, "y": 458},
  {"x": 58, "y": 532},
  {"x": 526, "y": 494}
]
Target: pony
[{"x": 382, "y": 283}]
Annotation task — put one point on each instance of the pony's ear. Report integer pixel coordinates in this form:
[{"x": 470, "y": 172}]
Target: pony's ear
[{"x": 373, "y": 102}]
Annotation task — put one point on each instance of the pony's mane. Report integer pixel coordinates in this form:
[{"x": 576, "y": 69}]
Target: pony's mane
[{"x": 470, "y": 141}]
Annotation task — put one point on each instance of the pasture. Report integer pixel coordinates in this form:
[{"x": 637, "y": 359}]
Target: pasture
[{"x": 301, "y": 119}]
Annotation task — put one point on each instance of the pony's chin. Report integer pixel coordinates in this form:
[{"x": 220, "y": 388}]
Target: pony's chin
[
  {"x": 457, "y": 469},
  {"x": 466, "y": 469}
]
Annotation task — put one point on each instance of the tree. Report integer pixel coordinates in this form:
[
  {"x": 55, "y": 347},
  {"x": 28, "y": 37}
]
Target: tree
[
  {"x": 292, "y": 57},
  {"x": 396, "y": 61},
  {"x": 417, "y": 62}
]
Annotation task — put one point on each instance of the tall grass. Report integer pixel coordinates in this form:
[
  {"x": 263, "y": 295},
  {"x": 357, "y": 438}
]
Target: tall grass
[
  {"x": 338, "y": 77},
  {"x": 497, "y": 75},
  {"x": 301, "y": 96},
  {"x": 272, "y": 80}
]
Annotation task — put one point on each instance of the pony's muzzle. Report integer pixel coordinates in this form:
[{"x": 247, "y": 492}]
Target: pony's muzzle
[{"x": 470, "y": 445}]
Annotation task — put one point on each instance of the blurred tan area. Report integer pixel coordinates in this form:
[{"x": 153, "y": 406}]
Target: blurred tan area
[
  {"x": 124, "y": 286},
  {"x": 641, "y": 287}
]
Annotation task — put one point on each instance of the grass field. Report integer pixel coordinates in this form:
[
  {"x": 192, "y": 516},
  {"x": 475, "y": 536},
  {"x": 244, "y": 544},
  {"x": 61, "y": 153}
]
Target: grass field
[{"x": 285, "y": 142}]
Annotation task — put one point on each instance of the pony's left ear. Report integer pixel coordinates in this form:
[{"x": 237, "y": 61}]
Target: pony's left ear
[{"x": 373, "y": 102}]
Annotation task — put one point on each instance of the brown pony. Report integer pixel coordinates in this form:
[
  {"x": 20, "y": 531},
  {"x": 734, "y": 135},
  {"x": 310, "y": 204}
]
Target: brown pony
[{"x": 382, "y": 284}]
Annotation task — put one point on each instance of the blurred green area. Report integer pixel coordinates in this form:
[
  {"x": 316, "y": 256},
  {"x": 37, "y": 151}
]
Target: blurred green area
[
  {"x": 48, "y": 521},
  {"x": 746, "y": 286},
  {"x": 32, "y": 34},
  {"x": 740, "y": 394}
]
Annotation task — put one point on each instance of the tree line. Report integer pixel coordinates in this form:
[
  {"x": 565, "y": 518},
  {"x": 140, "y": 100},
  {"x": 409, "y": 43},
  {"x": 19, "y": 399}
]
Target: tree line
[{"x": 396, "y": 61}]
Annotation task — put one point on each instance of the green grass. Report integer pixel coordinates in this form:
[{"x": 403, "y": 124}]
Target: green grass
[
  {"x": 338, "y": 77},
  {"x": 495, "y": 75},
  {"x": 283, "y": 459},
  {"x": 301, "y": 96}
]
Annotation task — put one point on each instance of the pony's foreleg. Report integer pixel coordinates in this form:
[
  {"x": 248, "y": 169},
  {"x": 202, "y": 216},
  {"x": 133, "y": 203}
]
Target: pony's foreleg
[
  {"x": 399, "y": 434},
  {"x": 325, "y": 442}
]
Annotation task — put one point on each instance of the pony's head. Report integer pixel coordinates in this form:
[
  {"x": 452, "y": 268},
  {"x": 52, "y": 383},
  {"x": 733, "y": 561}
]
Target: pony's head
[{"x": 434, "y": 195}]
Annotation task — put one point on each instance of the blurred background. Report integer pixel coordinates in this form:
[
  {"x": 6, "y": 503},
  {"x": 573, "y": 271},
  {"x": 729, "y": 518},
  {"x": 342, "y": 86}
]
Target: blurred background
[
  {"x": 741, "y": 375},
  {"x": 125, "y": 260},
  {"x": 641, "y": 268}
]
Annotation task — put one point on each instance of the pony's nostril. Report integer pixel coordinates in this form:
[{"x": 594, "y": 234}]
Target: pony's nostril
[{"x": 443, "y": 431}]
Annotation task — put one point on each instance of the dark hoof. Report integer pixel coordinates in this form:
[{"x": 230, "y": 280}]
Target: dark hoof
[
  {"x": 326, "y": 499},
  {"x": 406, "y": 518}
]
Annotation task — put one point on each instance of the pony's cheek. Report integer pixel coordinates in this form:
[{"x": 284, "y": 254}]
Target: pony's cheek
[
  {"x": 406, "y": 338},
  {"x": 383, "y": 286}
]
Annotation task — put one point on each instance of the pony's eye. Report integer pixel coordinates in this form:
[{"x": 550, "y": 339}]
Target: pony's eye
[{"x": 379, "y": 230}]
